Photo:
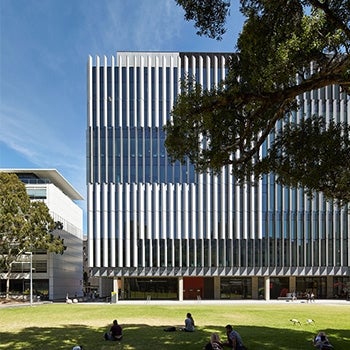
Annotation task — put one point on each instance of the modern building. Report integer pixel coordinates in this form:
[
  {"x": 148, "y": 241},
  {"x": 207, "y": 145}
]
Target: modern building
[
  {"x": 90, "y": 283},
  {"x": 53, "y": 275},
  {"x": 160, "y": 230}
]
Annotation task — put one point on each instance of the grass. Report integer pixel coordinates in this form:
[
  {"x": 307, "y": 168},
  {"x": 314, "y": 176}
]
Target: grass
[{"x": 262, "y": 326}]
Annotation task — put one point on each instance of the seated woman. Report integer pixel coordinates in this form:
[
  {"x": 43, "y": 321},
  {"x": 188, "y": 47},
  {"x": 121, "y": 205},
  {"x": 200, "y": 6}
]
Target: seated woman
[
  {"x": 214, "y": 343},
  {"x": 189, "y": 323},
  {"x": 321, "y": 342}
]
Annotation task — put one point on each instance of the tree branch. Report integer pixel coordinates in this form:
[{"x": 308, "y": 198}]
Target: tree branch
[{"x": 324, "y": 6}]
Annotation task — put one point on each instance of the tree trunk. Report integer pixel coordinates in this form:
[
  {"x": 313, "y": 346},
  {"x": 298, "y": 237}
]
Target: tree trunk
[
  {"x": 8, "y": 277},
  {"x": 8, "y": 285}
]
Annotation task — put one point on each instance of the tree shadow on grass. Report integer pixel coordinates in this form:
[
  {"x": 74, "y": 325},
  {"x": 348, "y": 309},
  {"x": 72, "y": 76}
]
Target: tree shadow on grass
[
  {"x": 145, "y": 337},
  {"x": 261, "y": 338}
]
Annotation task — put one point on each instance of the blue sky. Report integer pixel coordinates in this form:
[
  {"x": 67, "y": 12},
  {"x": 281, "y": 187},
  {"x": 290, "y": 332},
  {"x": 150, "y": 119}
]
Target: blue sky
[{"x": 44, "y": 47}]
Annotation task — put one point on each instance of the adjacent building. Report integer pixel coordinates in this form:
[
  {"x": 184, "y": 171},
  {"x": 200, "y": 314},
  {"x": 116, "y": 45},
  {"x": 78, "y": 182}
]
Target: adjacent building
[
  {"x": 54, "y": 276},
  {"x": 162, "y": 231}
]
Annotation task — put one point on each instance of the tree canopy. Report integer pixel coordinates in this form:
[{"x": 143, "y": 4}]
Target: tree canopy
[
  {"x": 285, "y": 49},
  {"x": 25, "y": 225}
]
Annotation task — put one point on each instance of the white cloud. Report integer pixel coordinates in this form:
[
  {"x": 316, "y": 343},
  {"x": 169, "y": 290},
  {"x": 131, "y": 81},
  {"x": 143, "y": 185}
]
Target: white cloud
[
  {"x": 157, "y": 26},
  {"x": 131, "y": 25},
  {"x": 32, "y": 136}
]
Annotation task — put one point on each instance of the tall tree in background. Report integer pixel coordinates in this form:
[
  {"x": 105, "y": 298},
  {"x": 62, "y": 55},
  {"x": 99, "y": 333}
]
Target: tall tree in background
[
  {"x": 286, "y": 48},
  {"x": 24, "y": 225}
]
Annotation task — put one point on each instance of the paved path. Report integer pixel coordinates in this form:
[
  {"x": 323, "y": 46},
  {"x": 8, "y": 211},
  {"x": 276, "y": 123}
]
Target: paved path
[
  {"x": 195, "y": 302},
  {"x": 230, "y": 302}
]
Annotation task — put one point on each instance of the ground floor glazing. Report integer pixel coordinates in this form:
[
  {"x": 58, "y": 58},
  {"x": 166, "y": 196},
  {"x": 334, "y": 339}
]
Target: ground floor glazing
[{"x": 225, "y": 288}]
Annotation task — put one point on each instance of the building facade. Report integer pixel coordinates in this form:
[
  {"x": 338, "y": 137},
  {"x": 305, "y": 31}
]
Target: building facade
[
  {"x": 53, "y": 275},
  {"x": 160, "y": 230}
]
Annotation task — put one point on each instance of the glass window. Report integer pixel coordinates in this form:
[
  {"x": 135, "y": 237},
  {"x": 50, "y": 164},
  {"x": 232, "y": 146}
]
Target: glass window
[
  {"x": 184, "y": 248},
  {"x": 40, "y": 266},
  {"x": 192, "y": 250},
  {"x": 206, "y": 253},
  {"x": 199, "y": 243},
  {"x": 177, "y": 252},
  {"x": 152, "y": 288},
  {"x": 169, "y": 249},
  {"x": 222, "y": 252},
  {"x": 235, "y": 288},
  {"x": 36, "y": 193}
]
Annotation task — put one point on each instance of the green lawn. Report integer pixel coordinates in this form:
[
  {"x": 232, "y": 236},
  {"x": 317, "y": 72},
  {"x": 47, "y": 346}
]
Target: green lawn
[{"x": 262, "y": 326}]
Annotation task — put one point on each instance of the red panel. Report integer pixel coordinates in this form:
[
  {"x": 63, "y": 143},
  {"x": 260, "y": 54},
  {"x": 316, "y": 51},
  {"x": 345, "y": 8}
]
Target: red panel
[{"x": 193, "y": 287}]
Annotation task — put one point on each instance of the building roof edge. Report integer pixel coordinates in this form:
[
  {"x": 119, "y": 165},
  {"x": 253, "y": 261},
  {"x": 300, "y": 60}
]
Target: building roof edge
[{"x": 54, "y": 176}]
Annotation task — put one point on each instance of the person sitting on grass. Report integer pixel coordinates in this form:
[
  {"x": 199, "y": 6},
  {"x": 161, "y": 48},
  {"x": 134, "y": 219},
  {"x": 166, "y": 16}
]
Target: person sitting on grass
[
  {"x": 115, "y": 333},
  {"x": 234, "y": 340},
  {"x": 189, "y": 323},
  {"x": 321, "y": 342},
  {"x": 214, "y": 343}
]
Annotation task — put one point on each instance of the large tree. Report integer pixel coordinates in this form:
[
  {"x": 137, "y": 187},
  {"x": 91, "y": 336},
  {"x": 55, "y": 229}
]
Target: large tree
[
  {"x": 25, "y": 225},
  {"x": 285, "y": 49}
]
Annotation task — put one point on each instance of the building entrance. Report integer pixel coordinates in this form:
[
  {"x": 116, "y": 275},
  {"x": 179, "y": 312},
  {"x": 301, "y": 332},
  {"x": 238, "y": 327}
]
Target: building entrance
[{"x": 197, "y": 288}]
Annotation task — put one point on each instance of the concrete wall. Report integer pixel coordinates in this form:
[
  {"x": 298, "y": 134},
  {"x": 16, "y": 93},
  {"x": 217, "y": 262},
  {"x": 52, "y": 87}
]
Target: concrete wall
[{"x": 65, "y": 210}]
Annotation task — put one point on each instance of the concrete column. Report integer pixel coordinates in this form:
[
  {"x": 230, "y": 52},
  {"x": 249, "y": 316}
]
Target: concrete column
[
  {"x": 292, "y": 284},
  {"x": 217, "y": 288},
  {"x": 116, "y": 288},
  {"x": 181, "y": 289},
  {"x": 255, "y": 287},
  {"x": 330, "y": 281},
  {"x": 267, "y": 287}
]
